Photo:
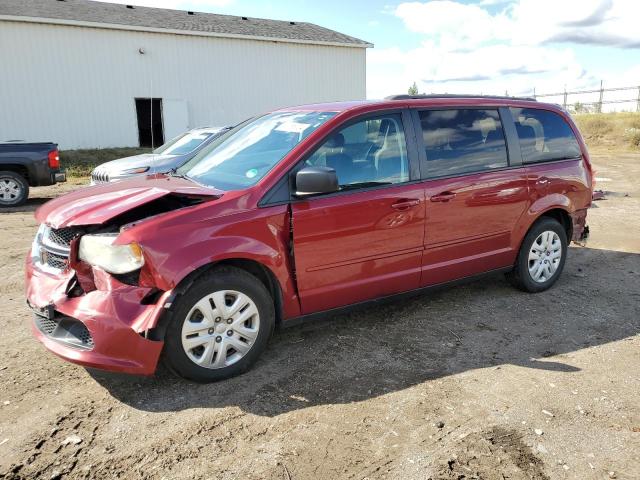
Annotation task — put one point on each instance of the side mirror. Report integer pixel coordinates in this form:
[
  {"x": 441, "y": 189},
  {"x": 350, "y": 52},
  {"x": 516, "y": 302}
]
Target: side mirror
[{"x": 315, "y": 181}]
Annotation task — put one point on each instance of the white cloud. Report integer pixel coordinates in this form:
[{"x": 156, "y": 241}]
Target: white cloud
[
  {"x": 450, "y": 23},
  {"x": 594, "y": 22},
  {"x": 522, "y": 45},
  {"x": 488, "y": 3},
  {"x": 490, "y": 69},
  {"x": 526, "y": 22}
]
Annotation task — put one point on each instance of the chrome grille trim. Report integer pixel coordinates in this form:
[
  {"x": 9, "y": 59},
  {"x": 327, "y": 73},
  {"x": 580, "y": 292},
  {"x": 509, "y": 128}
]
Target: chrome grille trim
[
  {"x": 62, "y": 236},
  {"x": 57, "y": 262},
  {"x": 52, "y": 248},
  {"x": 98, "y": 176}
]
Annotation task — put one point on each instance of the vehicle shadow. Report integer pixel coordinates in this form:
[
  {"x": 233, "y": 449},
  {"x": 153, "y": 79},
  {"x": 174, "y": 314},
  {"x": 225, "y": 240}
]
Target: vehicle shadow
[{"x": 378, "y": 350}]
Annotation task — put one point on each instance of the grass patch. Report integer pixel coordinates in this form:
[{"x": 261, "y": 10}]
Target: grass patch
[
  {"x": 611, "y": 131},
  {"x": 79, "y": 163}
]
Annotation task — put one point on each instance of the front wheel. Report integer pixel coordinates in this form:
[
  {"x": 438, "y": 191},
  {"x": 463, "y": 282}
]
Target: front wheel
[
  {"x": 220, "y": 326},
  {"x": 541, "y": 257}
]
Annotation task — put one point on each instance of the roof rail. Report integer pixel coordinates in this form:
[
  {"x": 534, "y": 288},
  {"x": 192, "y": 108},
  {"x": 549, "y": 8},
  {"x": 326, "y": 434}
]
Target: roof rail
[{"x": 453, "y": 95}]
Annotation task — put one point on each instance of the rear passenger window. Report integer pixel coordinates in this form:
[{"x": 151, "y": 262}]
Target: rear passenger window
[
  {"x": 544, "y": 136},
  {"x": 367, "y": 153},
  {"x": 462, "y": 141}
]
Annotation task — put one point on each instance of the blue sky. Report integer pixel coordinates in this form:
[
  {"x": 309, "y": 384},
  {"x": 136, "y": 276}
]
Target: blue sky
[{"x": 471, "y": 46}]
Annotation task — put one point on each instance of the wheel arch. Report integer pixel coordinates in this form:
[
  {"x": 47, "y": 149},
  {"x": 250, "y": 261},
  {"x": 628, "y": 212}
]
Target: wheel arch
[
  {"x": 16, "y": 168},
  {"x": 262, "y": 272},
  {"x": 562, "y": 216},
  {"x": 555, "y": 205},
  {"x": 560, "y": 213},
  {"x": 259, "y": 270}
]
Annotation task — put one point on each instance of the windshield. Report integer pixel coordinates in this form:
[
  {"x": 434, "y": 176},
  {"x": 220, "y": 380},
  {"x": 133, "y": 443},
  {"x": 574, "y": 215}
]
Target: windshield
[
  {"x": 242, "y": 156},
  {"x": 185, "y": 143}
]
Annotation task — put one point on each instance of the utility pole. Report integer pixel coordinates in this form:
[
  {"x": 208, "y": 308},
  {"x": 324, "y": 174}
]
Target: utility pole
[
  {"x": 565, "y": 97},
  {"x": 600, "y": 100},
  {"x": 638, "y": 105}
]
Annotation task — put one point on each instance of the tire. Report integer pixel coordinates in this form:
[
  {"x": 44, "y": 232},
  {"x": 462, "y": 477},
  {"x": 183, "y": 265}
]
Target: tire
[
  {"x": 14, "y": 189},
  {"x": 545, "y": 240},
  {"x": 198, "y": 343}
]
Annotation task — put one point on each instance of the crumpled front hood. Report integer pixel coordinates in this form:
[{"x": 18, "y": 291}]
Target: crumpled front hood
[{"x": 98, "y": 204}]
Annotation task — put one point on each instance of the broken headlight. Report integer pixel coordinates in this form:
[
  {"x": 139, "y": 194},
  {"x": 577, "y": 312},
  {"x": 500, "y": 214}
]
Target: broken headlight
[{"x": 99, "y": 251}]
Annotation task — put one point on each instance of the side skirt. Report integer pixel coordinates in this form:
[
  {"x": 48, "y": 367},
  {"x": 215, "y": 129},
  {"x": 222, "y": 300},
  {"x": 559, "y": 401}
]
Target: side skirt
[{"x": 325, "y": 314}]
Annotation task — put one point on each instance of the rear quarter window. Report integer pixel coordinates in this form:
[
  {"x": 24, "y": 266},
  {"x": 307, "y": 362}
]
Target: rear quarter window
[{"x": 544, "y": 136}]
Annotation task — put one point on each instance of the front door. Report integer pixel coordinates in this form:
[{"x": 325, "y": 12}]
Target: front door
[
  {"x": 365, "y": 241},
  {"x": 474, "y": 196}
]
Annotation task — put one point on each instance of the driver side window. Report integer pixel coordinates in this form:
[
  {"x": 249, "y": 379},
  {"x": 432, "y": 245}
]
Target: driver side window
[{"x": 369, "y": 152}]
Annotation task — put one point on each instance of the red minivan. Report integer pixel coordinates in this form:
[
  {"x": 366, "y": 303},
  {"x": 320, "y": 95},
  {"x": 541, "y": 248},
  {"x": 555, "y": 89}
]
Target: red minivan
[{"x": 302, "y": 211}]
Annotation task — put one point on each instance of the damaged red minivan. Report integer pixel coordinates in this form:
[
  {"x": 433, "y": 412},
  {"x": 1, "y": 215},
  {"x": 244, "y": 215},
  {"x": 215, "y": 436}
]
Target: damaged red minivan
[{"x": 302, "y": 211}]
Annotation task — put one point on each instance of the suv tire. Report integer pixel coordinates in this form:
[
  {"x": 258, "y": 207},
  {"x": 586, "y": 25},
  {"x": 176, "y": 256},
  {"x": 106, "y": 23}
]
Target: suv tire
[
  {"x": 14, "y": 189},
  {"x": 541, "y": 257},
  {"x": 219, "y": 327}
]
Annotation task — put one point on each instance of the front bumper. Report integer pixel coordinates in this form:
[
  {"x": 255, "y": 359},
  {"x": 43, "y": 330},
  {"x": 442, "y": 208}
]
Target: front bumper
[{"x": 113, "y": 315}]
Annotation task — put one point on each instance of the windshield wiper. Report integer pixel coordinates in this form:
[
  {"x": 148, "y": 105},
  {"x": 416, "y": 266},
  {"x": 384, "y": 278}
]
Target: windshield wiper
[
  {"x": 174, "y": 173},
  {"x": 352, "y": 186},
  {"x": 191, "y": 179}
]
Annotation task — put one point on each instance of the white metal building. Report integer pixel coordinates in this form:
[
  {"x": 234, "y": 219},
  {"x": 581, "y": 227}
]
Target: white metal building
[{"x": 83, "y": 73}]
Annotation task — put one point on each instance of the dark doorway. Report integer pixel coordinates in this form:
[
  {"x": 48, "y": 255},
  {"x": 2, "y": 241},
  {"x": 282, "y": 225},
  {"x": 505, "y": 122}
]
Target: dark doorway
[{"x": 149, "y": 113}]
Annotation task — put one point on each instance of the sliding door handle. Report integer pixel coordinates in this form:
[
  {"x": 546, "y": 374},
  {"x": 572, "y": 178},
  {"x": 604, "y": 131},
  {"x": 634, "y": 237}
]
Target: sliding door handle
[
  {"x": 443, "y": 197},
  {"x": 406, "y": 204}
]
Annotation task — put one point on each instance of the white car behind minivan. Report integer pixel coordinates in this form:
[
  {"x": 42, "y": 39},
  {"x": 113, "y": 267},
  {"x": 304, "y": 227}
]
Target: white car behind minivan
[{"x": 165, "y": 158}]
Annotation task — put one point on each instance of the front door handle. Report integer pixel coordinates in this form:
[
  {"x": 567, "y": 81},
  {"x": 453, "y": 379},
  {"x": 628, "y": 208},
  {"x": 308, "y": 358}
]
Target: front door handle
[
  {"x": 543, "y": 181},
  {"x": 443, "y": 197},
  {"x": 406, "y": 204}
]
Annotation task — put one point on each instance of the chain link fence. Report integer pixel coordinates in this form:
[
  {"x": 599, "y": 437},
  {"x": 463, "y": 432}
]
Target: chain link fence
[{"x": 595, "y": 100}]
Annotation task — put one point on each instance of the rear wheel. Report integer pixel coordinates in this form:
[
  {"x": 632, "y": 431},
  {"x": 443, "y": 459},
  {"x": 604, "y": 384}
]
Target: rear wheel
[
  {"x": 14, "y": 189},
  {"x": 220, "y": 326},
  {"x": 541, "y": 257}
]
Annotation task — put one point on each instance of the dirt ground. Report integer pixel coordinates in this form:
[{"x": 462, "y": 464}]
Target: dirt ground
[{"x": 478, "y": 381}]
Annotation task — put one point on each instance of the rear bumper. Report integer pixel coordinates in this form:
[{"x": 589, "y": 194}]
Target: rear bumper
[
  {"x": 44, "y": 176},
  {"x": 59, "y": 177},
  {"x": 115, "y": 319},
  {"x": 585, "y": 234},
  {"x": 579, "y": 226}
]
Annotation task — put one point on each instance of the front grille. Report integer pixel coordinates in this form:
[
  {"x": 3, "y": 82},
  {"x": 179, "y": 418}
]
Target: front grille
[
  {"x": 62, "y": 236},
  {"x": 54, "y": 247},
  {"x": 58, "y": 262},
  {"x": 67, "y": 330},
  {"x": 47, "y": 325},
  {"x": 99, "y": 177},
  {"x": 84, "y": 336}
]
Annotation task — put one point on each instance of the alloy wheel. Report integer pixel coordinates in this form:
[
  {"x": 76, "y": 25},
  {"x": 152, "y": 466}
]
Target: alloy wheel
[{"x": 10, "y": 190}]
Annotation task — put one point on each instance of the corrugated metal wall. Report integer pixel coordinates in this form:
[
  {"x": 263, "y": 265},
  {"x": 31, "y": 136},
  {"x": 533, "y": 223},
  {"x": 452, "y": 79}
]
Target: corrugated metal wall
[{"x": 76, "y": 85}]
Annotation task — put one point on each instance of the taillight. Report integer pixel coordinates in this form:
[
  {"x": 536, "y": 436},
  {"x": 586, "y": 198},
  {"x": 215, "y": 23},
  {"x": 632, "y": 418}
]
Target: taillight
[{"x": 54, "y": 159}]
